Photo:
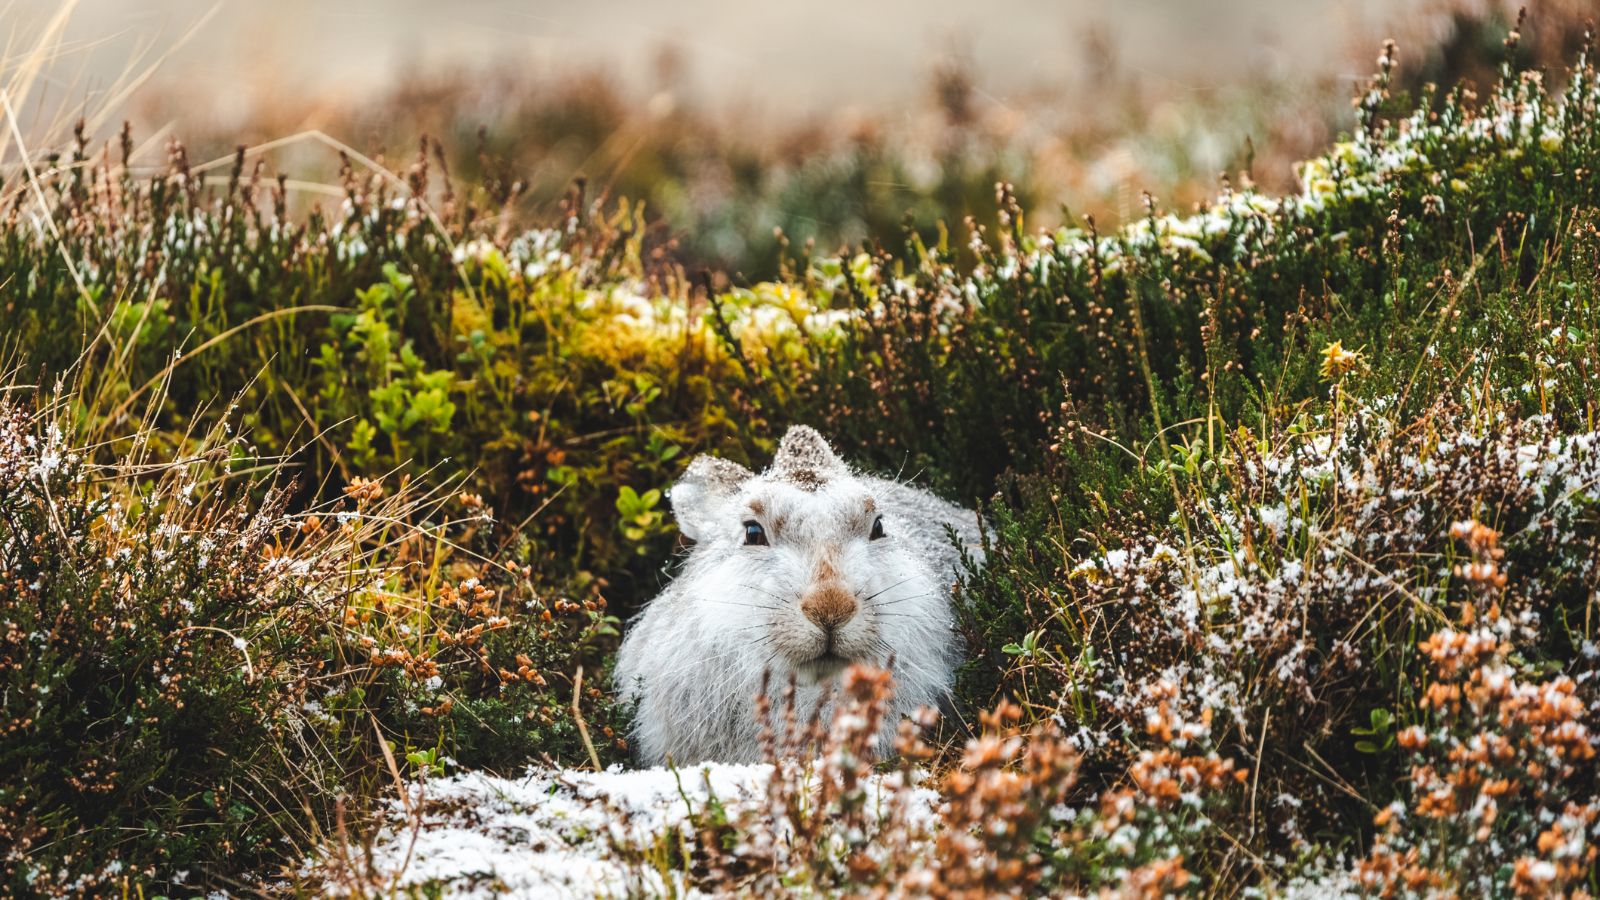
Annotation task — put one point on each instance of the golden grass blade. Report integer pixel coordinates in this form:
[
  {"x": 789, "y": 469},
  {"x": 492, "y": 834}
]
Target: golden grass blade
[{"x": 30, "y": 68}]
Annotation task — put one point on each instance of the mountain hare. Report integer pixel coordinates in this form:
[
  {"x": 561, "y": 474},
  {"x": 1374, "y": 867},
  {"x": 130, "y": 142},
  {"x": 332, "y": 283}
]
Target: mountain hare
[{"x": 801, "y": 570}]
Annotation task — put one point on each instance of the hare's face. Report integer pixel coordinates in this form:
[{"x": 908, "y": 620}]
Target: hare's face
[
  {"x": 822, "y": 572},
  {"x": 798, "y": 569}
]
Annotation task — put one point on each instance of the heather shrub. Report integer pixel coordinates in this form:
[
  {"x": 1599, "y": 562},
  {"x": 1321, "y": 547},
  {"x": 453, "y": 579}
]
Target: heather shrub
[
  {"x": 1440, "y": 213},
  {"x": 152, "y": 678},
  {"x": 835, "y": 819},
  {"x": 197, "y": 680},
  {"x": 1501, "y": 796}
]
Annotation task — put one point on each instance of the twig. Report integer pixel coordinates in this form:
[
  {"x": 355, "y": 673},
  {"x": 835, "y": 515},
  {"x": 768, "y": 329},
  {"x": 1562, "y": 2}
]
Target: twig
[
  {"x": 394, "y": 769},
  {"x": 583, "y": 727}
]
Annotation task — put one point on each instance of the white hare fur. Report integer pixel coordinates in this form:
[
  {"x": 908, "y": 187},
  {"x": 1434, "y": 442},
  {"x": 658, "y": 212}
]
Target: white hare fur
[{"x": 825, "y": 590}]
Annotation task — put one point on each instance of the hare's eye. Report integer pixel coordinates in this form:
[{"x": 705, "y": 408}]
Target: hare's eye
[
  {"x": 877, "y": 528},
  {"x": 754, "y": 534}
]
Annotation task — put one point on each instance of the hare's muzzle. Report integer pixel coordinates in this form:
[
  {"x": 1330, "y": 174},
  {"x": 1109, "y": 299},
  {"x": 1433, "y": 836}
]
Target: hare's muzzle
[{"x": 829, "y": 605}]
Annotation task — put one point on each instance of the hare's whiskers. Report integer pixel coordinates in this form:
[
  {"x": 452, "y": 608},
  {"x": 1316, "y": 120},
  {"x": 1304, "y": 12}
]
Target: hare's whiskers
[
  {"x": 751, "y": 587},
  {"x": 902, "y": 600},
  {"x": 743, "y": 605},
  {"x": 886, "y": 590}
]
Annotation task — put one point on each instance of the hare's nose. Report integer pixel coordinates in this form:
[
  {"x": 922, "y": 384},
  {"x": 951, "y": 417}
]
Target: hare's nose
[{"x": 829, "y": 605}]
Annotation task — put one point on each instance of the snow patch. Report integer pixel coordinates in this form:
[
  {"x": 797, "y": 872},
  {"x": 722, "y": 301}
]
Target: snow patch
[{"x": 552, "y": 833}]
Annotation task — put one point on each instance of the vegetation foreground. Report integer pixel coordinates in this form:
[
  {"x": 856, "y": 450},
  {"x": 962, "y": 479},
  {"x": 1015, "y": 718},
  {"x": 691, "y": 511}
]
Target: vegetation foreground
[{"x": 1292, "y": 565}]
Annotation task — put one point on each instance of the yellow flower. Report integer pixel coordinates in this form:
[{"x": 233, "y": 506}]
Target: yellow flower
[{"x": 1338, "y": 362}]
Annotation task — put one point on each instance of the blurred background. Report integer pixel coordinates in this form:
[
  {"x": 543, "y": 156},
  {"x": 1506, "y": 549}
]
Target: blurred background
[{"x": 831, "y": 121}]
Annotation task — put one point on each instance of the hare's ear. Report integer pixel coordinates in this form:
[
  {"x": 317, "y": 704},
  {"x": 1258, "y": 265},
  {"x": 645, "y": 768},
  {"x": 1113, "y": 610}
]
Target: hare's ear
[
  {"x": 699, "y": 494},
  {"x": 804, "y": 456}
]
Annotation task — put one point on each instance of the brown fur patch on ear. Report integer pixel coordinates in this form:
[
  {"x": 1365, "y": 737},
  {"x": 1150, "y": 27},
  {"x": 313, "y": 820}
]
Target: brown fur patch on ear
[
  {"x": 805, "y": 459},
  {"x": 717, "y": 473},
  {"x": 808, "y": 480}
]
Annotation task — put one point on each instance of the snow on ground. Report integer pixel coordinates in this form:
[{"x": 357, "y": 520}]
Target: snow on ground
[{"x": 551, "y": 833}]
